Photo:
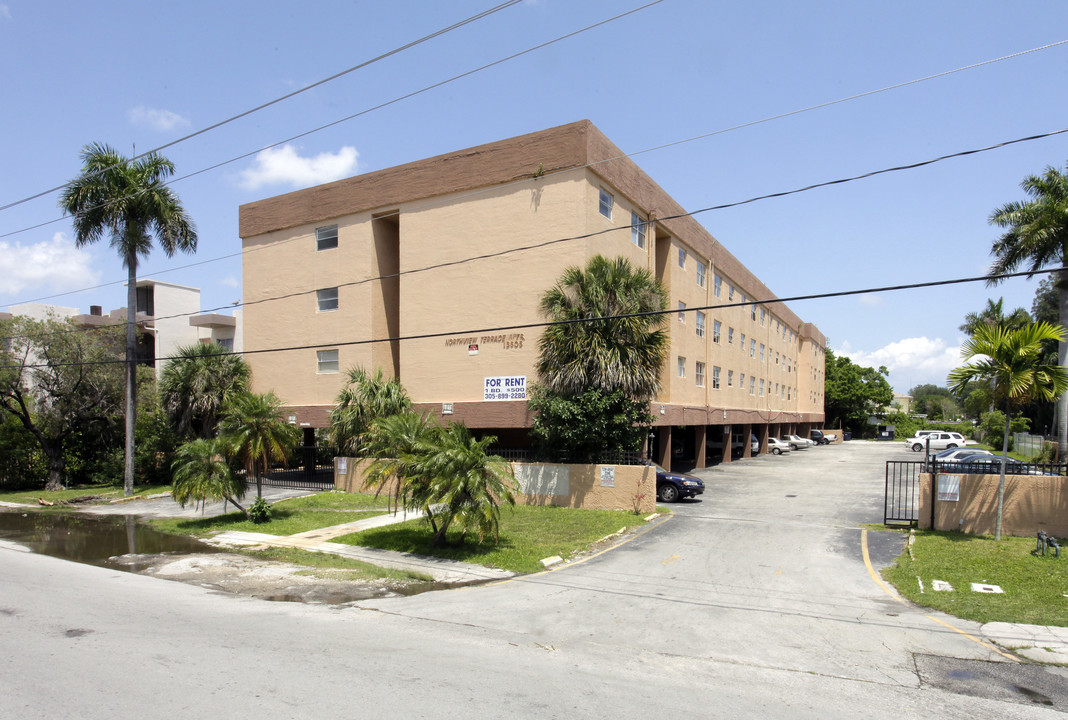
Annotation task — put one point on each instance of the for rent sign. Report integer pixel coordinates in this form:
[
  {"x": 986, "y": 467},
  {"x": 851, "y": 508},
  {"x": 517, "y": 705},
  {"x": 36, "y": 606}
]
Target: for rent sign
[{"x": 505, "y": 388}]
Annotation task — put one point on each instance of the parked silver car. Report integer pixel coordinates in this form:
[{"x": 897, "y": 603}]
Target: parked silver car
[{"x": 777, "y": 446}]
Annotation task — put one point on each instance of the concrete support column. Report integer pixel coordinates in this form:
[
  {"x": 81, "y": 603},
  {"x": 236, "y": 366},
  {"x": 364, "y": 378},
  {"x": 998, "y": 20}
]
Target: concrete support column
[
  {"x": 699, "y": 433},
  {"x": 664, "y": 440}
]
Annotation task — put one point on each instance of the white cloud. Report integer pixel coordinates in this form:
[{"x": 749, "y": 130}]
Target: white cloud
[
  {"x": 911, "y": 362},
  {"x": 55, "y": 264},
  {"x": 283, "y": 166},
  {"x": 161, "y": 120},
  {"x": 871, "y": 300},
  {"x": 231, "y": 281},
  {"x": 5, "y": 11}
]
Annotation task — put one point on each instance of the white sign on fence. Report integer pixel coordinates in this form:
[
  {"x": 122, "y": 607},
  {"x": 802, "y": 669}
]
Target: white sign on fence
[{"x": 949, "y": 488}]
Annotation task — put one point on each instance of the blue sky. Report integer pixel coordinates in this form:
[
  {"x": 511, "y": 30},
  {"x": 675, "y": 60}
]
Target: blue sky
[{"x": 138, "y": 75}]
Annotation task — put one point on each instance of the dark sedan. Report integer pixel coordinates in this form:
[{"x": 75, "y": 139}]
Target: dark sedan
[{"x": 673, "y": 486}]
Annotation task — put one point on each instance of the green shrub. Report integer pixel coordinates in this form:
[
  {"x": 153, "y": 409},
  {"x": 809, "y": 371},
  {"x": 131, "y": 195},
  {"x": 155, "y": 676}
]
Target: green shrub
[{"x": 259, "y": 512}]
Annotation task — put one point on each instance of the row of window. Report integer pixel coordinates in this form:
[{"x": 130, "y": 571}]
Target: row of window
[
  {"x": 785, "y": 361},
  {"x": 756, "y": 385}
]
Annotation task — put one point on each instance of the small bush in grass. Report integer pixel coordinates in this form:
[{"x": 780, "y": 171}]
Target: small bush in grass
[{"x": 259, "y": 512}]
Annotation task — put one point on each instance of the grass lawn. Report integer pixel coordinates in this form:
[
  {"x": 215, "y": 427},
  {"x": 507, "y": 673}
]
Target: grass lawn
[
  {"x": 528, "y": 534},
  {"x": 1035, "y": 586},
  {"x": 111, "y": 491},
  {"x": 288, "y": 517}
]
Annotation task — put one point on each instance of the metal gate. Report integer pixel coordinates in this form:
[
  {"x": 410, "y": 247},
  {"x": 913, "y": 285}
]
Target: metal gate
[{"x": 902, "y": 503}]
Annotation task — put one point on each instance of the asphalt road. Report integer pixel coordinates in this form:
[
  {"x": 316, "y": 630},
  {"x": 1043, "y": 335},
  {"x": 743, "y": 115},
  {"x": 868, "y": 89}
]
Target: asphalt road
[{"x": 753, "y": 602}]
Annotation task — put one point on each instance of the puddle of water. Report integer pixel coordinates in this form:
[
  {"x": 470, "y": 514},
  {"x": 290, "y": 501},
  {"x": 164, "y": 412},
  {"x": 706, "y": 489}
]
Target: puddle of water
[{"x": 92, "y": 539}]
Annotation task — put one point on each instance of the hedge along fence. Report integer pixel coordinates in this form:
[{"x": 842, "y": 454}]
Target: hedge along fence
[
  {"x": 592, "y": 487},
  {"x": 968, "y": 503}
]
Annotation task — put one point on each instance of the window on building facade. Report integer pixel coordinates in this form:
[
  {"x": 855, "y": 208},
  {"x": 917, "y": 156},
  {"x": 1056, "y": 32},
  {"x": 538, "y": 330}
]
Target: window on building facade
[
  {"x": 701, "y": 274},
  {"x": 715, "y": 378},
  {"x": 741, "y": 381},
  {"x": 761, "y": 387},
  {"x": 730, "y": 292},
  {"x": 682, "y": 311},
  {"x": 637, "y": 230},
  {"x": 699, "y": 374},
  {"x": 682, "y": 258},
  {"x": 752, "y": 384},
  {"x": 605, "y": 203},
  {"x": 762, "y": 315},
  {"x": 752, "y": 311},
  {"x": 716, "y": 325},
  {"x": 730, "y": 336},
  {"x": 328, "y": 361},
  {"x": 761, "y": 352},
  {"x": 717, "y": 284},
  {"x": 742, "y": 344},
  {"x": 752, "y": 348},
  {"x": 327, "y": 299},
  {"x": 326, "y": 237},
  {"x": 730, "y": 378},
  {"x": 227, "y": 343},
  {"x": 682, "y": 366},
  {"x": 700, "y": 323}
]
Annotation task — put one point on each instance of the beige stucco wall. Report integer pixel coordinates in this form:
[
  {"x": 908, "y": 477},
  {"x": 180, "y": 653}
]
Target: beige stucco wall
[
  {"x": 633, "y": 487},
  {"x": 469, "y": 299},
  {"x": 1031, "y": 503}
]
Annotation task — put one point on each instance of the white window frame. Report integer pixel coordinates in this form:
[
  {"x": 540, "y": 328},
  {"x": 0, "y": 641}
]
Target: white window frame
[
  {"x": 715, "y": 377},
  {"x": 681, "y": 366},
  {"x": 637, "y": 230},
  {"x": 717, "y": 284},
  {"x": 682, "y": 312},
  {"x": 682, "y": 258},
  {"x": 327, "y": 362},
  {"x": 730, "y": 378},
  {"x": 730, "y": 336},
  {"x": 701, "y": 274},
  {"x": 605, "y": 203},
  {"x": 326, "y": 299},
  {"x": 325, "y": 238},
  {"x": 699, "y": 321},
  {"x": 699, "y": 374},
  {"x": 717, "y": 328}
]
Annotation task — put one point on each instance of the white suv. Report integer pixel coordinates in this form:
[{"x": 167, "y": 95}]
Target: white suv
[{"x": 938, "y": 441}]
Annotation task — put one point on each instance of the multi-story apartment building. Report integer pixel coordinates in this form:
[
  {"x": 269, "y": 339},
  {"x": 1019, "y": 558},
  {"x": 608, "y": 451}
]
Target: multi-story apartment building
[
  {"x": 433, "y": 270},
  {"x": 168, "y": 317}
]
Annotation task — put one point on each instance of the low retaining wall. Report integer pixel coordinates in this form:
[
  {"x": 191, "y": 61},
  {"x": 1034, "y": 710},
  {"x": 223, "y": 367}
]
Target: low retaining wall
[
  {"x": 598, "y": 487},
  {"x": 968, "y": 503}
]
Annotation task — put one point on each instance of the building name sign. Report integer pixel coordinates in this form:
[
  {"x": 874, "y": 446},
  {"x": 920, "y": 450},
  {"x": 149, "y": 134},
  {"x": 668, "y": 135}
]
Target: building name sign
[
  {"x": 505, "y": 388},
  {"x": 509, "y": 341}
]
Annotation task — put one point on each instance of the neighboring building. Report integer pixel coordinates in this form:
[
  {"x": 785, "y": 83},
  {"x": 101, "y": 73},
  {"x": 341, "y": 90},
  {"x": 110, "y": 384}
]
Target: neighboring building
[
  {"x": 168, "y": 317},
  {"x": 404, "y": 269},
  {"x": 904, "y": 402}
]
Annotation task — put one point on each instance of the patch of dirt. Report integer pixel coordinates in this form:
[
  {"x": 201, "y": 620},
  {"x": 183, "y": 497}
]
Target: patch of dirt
[{"x": 264, "y": 579}]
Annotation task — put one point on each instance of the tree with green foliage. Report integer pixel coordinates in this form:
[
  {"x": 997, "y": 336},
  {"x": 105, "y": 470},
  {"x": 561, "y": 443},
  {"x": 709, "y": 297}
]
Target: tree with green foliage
[
  {"x": 1036, "y": 236},
  {"x": 993, "y": 427},
  {"x": 1011, "y": 362},
  {"x": 445, "y": 473},
  {"x": 599, "y": 362},
  {"x": 195, "y": 385},
  {"x": 854, "y": 393},
  {"x": 587, "y": 425},
  {"x": 599, "y": 337},
  {"x": 253, "y": 431},
  {"x": 365, "y": 398},
  {"x": 202, "y": 473},
  {"x": 994, "y": 314},
  {"x": 57, "y": 381},
  {"x": 130, "y": 201}
]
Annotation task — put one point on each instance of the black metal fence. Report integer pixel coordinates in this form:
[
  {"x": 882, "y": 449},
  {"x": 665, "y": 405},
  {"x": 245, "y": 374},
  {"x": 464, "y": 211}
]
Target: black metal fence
[
  {"x": 309, "y": 468},
  {"x": 902, "y": 503}
]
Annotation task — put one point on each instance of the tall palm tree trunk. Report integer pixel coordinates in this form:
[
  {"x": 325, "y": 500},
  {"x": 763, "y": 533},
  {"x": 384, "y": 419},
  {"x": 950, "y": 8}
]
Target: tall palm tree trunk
[
  {"x": 1001, "y": 482},
  {"x": 131, "y": 370},
  {"x": 1062, "y": 360}
]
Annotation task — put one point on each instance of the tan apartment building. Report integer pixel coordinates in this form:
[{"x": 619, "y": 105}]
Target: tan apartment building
[{"x": 431, "y": 270}]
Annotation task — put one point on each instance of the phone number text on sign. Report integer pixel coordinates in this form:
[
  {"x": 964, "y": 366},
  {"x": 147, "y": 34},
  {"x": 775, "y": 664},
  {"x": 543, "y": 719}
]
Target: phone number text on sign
[{"x": 505, "y": 388}]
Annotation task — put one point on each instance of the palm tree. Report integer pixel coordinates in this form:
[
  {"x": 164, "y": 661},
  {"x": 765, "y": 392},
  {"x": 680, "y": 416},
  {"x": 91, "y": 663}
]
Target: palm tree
[
  {"x": 364, "y": 399},
  {"x": 254, "y": 432},
  {"x": 1037, "y": 236},
  {"x": 129, "y": 201},
  {"x": 617, "y": 353},
  {"x": 399, "y": 444},
  {"x": 202, "y": 473},
  {"x": 468, "y": 484},
  {"x": 195, "y": 385},
  {"x": 994, "y": 314},
  {"x": 1011, "y": 362}
]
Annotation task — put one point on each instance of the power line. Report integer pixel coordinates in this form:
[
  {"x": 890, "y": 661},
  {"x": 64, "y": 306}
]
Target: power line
[
  {"x": 621, "y": 316},
  {"x": 358, "y": 114},
  {"x": 277, "y": 100},
  {"x": 586, "y": 236}
]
